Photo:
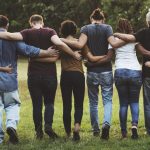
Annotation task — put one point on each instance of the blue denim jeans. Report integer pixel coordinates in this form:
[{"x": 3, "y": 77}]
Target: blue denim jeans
[
  {"x": 105, "y": 80},
  {"x": 146, "y": 96},
  {"x": 11, "y": 104},
  {"x": 128, "y": 84}
]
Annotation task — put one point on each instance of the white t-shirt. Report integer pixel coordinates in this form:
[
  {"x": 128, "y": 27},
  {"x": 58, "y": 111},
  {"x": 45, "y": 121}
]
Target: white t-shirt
[{"x": 126, "y": 57}]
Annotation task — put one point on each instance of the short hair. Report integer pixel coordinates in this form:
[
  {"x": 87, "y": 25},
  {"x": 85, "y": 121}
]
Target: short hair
[
  {"x": 97, "y": 14},
  {"x": 36, "y": 18},
  {"x": 124, "y": 26},
  {"x": 3, "y": 21},
  {"x": 68, "y": 27}
]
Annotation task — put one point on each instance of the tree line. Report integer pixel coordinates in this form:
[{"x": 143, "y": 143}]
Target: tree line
[{"x": 55, "y": 11}]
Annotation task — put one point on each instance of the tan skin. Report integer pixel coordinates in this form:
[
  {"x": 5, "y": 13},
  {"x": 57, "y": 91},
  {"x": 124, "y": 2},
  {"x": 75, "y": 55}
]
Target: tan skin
[
  {"x": 55, "y": 39},
  {"x": 7, "y": 69},
  {"x": 87, "y": 54},
  {"x": 83, "y": 39}
]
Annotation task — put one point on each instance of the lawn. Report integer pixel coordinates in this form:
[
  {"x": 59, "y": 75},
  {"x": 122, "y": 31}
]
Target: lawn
[{"x": 88, "y": 142}]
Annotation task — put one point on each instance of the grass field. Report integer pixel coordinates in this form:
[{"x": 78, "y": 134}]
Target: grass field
[{"x": 88, "y": 142}]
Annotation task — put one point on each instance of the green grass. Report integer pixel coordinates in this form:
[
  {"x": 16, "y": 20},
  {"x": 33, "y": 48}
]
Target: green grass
[{"x": 88, "y": 142}]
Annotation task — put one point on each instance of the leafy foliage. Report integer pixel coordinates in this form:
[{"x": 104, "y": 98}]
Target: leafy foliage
[{"x": 55, "y": 11}]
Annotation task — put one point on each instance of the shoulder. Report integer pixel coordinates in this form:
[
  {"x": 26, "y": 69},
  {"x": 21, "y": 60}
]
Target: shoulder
[
  {"x": 106, "y": 26},
  {"x": 143, "y": 30},
  {"x": 25, "y": 30},
  {"x": 49, "y": 30}
]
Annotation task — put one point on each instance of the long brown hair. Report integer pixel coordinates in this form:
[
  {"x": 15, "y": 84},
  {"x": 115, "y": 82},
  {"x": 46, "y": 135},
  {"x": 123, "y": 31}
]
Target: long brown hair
[{"x": 124, "y": 26}]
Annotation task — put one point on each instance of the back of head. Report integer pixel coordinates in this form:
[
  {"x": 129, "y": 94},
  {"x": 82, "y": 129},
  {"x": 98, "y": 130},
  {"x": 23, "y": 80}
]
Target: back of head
[
  {"x": 4, "y": 22},
  {"x": 124, "y": 26},
  {"x": 68, "y": 27},
  {"x": 148, "y": 18},
  {"x": 97, "y": 14},
  {"x": 34, "y": 19}
]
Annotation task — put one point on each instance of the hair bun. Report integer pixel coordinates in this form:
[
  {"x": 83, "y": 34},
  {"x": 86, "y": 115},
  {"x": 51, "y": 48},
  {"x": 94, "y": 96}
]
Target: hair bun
[{"x": 97, "y": 14}]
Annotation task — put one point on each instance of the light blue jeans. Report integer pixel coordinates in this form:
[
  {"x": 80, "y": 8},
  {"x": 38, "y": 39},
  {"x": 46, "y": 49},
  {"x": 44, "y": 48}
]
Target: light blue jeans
[
  {"x": 10, "y": 103},
  {"x": 105, "y": 80}
]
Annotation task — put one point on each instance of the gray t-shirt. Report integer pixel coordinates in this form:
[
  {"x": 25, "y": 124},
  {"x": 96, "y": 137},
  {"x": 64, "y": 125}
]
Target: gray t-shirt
[{"x": 98, "y": 44}]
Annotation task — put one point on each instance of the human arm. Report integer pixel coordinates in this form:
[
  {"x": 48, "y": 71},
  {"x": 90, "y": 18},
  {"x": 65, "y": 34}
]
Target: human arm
[
  {"x": 106, "y": 59},
  {"x": 115, "y": 43},
  {"x": 7, "y": 69},
  {"x": 125, "y": 37},
  {"x": 88, "y": 55},
  {"x": 80, "y": 43},
  {"x": 62, "y": 46},
  {"x": 32, "y": 51},
  {"x": 46, "y": 59},
  {"x": 142, "y": 50},
  {"x": 147, "y": 64},
  {"x": 93, "y": 58},
  {"x": 11, "y": 36}
]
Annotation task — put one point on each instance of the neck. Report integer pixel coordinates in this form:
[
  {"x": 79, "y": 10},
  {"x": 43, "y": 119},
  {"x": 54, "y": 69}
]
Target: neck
[
  {"x": 69, "y": 37},
  {"x": 97, "y": 21},
  {"x": 37, "y": 26}
]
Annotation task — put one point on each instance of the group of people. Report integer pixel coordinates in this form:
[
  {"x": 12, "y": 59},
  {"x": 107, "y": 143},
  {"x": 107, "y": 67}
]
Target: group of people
[{"x": 96, "y": 46}]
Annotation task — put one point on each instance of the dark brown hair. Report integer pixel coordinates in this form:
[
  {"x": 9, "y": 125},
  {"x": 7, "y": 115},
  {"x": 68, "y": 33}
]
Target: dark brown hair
[
  {"x": 124, "y": 26},
  {"x": 97, "y": 14},
  {"x": 35, "y": 18},
  {"x": 68, "y": 27},
  {"x": 3, "y": 21}
]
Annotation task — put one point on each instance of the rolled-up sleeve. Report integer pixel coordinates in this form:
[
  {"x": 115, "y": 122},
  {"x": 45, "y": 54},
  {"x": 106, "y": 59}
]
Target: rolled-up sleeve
[{"x": 27, "y": 50}]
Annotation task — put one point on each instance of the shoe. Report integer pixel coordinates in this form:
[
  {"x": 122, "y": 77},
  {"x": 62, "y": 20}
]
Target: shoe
[
  {"x": 51, "y": 133},
  {"x": 96, "y": 133},
  {"x": 105, "y": 132},
  {"x": 68, "y": 135},
  {"x": 76, "y": 136},
  {"x": 124, "y": 135},
  {"x": 13, "y": 137},
  {"x": 134, "y": 133},
  {"x": 39, "y": 135}
]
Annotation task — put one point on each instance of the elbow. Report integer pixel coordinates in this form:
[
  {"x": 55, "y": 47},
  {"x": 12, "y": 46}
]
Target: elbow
[
  {"x": 79, "y": 46},
  {"x": 115, "y": 45},
  {"x": 92, "y": 59}
]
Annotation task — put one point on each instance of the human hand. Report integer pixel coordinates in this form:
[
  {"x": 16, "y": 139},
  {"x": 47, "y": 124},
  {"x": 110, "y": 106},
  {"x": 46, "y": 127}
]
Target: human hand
[
  {"x": 62, "y": 39},
  {"x": 88, "y": 64},
  {"x": 117, "y": 34},
  {"x": 77, "y": 55},
  {"x": 147, "y": 64},
  {"x": 8, "y": 69},
  {"x": 52, "y": 51}
]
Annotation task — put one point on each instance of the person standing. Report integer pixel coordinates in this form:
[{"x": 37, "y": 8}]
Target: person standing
[
  {"x": 73, "y": 81},
  {"x": 42, "y": 79},
  {"x": 9, "y": 97},
  {"x": 97, "y": 35},
  {"x": 128, "y": 80},
  {"x": 143, "y": 36}
]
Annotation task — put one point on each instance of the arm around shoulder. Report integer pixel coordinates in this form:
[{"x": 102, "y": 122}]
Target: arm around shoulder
[{"x": 11, "y": 36}]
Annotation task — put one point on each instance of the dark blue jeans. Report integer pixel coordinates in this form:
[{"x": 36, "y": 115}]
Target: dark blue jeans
[
  {"x": 128, "y": 84},
  {"x": 42, "y": 88},
  {"x": 146, "y": 95}
]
